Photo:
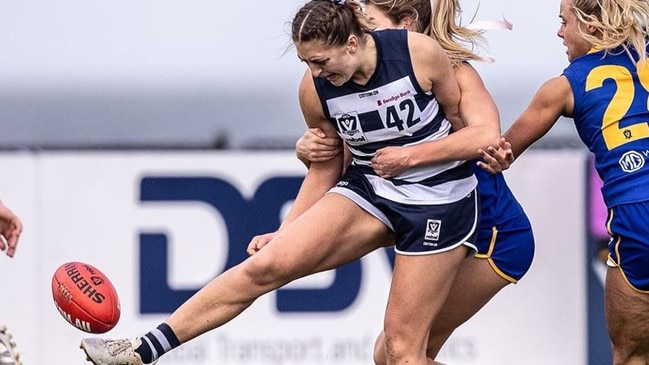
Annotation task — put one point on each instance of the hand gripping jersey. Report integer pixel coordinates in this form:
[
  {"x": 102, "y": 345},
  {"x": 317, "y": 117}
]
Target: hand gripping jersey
[
  {"x": 391, "y": 109},
  {"x": 612, "y": 118}
]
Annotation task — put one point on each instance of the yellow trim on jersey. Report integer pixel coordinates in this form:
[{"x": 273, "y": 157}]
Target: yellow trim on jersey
[
  {"x": 594, "y": 49},
  {"x": 608, "y": 223},
  {"x": 616, "y": 264},
  {"x": 492, "y": 244}
]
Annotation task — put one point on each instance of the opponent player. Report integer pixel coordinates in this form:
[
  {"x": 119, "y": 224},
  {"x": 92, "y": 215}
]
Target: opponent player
[
  {"x": 505, "y": 241},
  {"x": 605, "y": 90},
  {"x": 410, "y": 97}
]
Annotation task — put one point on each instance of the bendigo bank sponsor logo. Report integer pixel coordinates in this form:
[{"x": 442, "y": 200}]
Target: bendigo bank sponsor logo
[{"x": 393, "y": 98}]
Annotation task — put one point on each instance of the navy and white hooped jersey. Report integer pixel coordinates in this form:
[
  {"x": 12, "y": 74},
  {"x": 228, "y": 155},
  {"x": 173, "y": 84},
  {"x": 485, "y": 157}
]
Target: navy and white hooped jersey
[
  {"x": 612, "y": 118},
  {"x": 391, "y": 109}
]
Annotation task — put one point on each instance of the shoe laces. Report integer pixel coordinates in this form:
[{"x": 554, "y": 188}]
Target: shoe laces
[{"x": 119, "y": 347}]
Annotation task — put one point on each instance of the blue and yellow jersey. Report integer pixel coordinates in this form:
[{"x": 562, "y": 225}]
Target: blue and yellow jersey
[{"x": 611, "y": 114}]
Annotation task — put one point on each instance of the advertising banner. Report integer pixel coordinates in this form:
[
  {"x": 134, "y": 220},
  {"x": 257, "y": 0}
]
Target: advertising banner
[{"x": 160, "y": 225}]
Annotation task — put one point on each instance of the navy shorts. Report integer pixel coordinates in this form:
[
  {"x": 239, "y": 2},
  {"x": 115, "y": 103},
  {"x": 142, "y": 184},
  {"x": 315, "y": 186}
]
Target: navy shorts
[
  {"x": 508, "y": 246},
  {"x": 419, "y": 229},
  {"x": 629, "y": 246}
]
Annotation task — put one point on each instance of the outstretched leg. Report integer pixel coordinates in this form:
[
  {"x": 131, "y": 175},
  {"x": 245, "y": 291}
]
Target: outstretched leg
[{"x": 314, "y": 242}]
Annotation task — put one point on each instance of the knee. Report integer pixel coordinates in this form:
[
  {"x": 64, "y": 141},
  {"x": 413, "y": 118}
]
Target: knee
[
  {"x": 263, "y": 271},
  {"x": 399, "y": 342},
  {"x": 392, "y": 345},
  {"x": 379, "y": 350}
]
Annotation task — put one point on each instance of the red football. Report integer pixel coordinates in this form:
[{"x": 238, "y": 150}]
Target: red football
[{"x": 85, "y": 297}]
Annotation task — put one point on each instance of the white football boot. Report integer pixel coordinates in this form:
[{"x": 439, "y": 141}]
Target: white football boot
[
  {"x": 112, "y": 352},
  {"x": 8, "y": 353}
]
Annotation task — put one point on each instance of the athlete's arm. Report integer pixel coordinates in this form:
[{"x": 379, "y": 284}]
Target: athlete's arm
[
  {"x": 553, "y": 100},
  {"x": 435, "y": 73},
  {"x": 314, "y": 145},
  {"x": 321, "y": 175},
  {"x": 479, "y": 112}
]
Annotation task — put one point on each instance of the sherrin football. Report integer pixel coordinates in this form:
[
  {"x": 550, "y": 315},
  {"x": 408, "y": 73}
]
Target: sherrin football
[{"x": 85, "y": 297}]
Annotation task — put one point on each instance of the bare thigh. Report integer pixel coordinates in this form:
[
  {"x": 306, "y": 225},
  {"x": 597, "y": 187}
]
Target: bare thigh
[
  {"x": 335, "y": 231},
  {"x": 420, "y": 285},
  {"x": 627, "y": 319},
  {"x": 475, "y": 284}
]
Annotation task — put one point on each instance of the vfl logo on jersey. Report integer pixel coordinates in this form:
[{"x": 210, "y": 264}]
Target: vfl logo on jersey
[
  {"x": 631, "y": 161},
  {"x": 350, "y": 128},
  {"x": 433, "y": 227}
]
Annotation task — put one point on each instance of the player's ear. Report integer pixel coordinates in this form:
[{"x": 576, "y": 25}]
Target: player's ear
[
  {"x": 590, "y": 29},
  {"x": 352, "y": 44},
  {"x": 408, "y": 23}
]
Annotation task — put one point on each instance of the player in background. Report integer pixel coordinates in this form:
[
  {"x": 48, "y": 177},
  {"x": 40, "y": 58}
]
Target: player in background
[
  {"x": 505, "y": 242},
  {"x": 10, "y": 229},
  {"x": 362, "y": 210},
  {"x": 605, "y": 90}
]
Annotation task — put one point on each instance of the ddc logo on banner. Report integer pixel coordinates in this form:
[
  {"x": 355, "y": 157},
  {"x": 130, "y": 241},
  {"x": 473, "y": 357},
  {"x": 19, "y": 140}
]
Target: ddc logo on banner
[{"x": 243, "y": 219}]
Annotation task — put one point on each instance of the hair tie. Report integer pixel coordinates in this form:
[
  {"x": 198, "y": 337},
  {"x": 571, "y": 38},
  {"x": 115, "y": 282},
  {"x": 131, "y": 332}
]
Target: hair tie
[{"x": 338, "y": 2}]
